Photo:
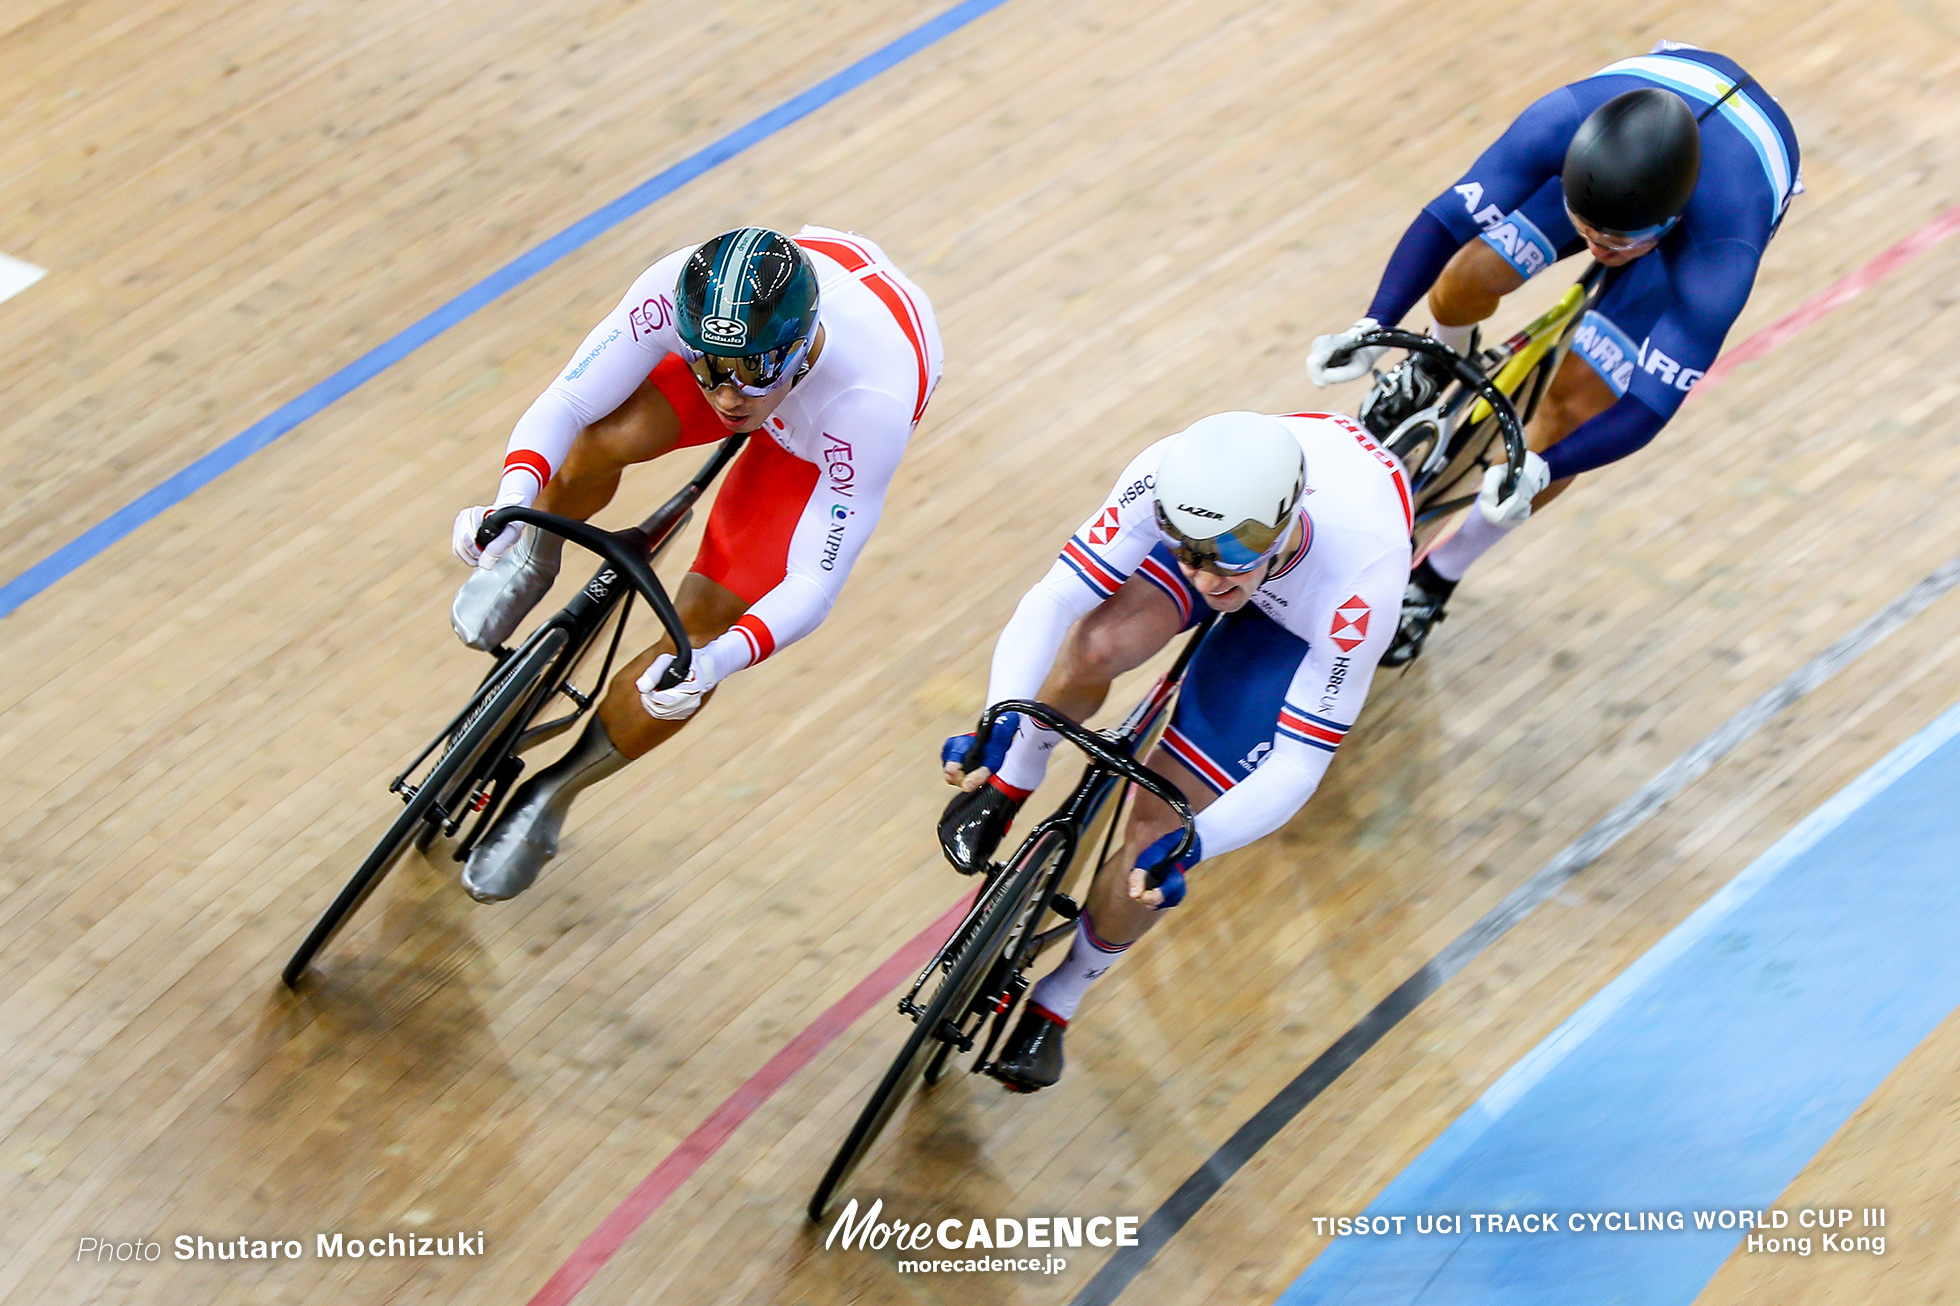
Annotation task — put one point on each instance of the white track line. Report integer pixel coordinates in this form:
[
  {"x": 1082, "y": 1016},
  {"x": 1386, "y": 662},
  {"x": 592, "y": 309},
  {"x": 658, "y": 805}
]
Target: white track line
[{"x": 16, "y": 276}]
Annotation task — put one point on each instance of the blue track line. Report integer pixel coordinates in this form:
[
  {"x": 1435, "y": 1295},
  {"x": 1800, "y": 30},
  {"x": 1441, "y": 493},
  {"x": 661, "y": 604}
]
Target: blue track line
[
  {"x": 263, "y": 432},
  {"x": 1702, "y": 1079}
]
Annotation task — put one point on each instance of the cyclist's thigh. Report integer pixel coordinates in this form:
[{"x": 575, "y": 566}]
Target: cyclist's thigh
[
  {"x": 1151, "y": 816},
  {"x": 1577, "y": 393},
  {"x": 1222, "y": 730},
  {"x": 667, "y": 412},
  {"x": 1127, "y": 629},
  {"x": 1228, "y": 706},
  {"x": 745, "y": 548},
  {"x": 1605, "y": 350}
]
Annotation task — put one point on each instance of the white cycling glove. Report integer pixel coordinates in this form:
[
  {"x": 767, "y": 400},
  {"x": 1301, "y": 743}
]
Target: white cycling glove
[
  {"x": 462, "y": 537},
  {"x": 684, "y": 699},
  {"x": 1355, "y": 367},
  {"x": 1535, "y": 476}
]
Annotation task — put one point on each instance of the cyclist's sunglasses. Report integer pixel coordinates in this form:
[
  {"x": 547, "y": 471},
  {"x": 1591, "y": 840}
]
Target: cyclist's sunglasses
[
  {"x": 753, "y": 374},
  {"x": 1621, "y": 241},
  {"x": 1228, "y": 553}
]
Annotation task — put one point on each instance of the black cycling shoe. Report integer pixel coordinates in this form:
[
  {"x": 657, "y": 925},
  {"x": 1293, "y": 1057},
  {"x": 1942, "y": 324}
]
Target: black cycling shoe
[
  {"x": 1422, "y": 608},
  {"x": 1410, "y": 386},
  {"x": 973, "y": 825},
  {"x": 1032, "y": 1057}
]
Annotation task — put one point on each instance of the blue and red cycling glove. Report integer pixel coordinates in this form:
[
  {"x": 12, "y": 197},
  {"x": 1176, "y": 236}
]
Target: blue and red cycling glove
[
  {"x": 1173, "y": 885},
  {"x": 959, "y": 748}
]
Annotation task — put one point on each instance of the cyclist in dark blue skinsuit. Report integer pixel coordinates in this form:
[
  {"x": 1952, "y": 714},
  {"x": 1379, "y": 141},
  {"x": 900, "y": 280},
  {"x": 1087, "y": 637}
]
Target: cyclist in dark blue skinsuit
[{"x": 1679, "y": 205}]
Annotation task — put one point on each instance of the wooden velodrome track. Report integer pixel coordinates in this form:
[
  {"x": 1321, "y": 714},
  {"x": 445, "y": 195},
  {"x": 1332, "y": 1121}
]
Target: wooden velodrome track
[{"x": 1127, "y": 217}]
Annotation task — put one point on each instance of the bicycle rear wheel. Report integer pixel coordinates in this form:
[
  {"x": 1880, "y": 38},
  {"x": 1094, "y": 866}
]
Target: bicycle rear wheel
[
  {"x": 951, "y": 1001},
  {"x": 509, "y": 690}
]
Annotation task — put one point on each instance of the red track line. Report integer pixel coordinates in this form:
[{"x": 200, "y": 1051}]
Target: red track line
[
  {"x": 1838, "y": 294},
  {"x": 1841, "y": 293},
  {"x": 705, "y": 1141}
]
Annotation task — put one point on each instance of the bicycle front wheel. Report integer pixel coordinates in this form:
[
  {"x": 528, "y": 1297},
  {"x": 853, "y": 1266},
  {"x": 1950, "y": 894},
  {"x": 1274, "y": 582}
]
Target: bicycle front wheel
[
  {"x": 950, "y": 1002},
  {"x": 509, "y": 691}
]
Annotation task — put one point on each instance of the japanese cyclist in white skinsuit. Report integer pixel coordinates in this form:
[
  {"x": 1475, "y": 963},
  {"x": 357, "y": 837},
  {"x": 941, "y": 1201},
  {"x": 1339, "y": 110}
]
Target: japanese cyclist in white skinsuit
[
  {"x": 817, "y": 345},
  {"x": 1296, "y": 531}
]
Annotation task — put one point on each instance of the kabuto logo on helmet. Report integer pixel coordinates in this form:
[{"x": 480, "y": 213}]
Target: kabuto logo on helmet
[{"x": 724, "y": 331}]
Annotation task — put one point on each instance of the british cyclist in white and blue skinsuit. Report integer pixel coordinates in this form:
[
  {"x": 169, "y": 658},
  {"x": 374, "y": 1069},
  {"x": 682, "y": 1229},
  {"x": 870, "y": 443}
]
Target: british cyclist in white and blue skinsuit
[
  {"x": 1295, "y": 530},
  {"x": 1674, "y": 169}
]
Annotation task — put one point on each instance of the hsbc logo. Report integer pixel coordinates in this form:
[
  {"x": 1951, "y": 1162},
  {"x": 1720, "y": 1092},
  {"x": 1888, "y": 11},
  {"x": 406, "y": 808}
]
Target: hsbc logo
[
  {"x": 1350, "y": 625},
  {"x": 1107, "y": 527},
  {"x": 1336, "y": 677}
]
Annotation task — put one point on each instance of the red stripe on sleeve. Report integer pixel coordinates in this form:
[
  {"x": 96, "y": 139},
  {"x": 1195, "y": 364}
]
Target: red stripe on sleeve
[
  {"x": 887, "y": 289},
  {"x": 758, "y": 635},
  {"x": 853, "y": 259},
  {"x": 531, "y": 461},
  {"x": 1092, "y": 564},
  {"x": 1313, "y": 730},
  {"x": 850, "y": 256}
]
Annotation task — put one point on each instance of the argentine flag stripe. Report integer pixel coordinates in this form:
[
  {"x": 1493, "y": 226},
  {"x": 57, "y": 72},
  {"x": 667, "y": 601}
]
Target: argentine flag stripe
[{"x": 1701, "y": 86}]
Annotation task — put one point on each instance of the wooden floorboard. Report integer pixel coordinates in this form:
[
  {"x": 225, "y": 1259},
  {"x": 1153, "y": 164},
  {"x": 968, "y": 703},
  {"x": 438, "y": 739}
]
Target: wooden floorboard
[{"x": 1125, "y": 218}]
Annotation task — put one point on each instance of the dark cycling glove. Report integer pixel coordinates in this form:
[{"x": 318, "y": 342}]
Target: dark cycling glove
[
  {"x": 1173, "y": 885},
  {"x": 959, "y": 748}
]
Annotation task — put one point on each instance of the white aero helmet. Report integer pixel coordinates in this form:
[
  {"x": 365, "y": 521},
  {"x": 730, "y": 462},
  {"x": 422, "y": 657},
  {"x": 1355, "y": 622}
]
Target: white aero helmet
[{"x": 1226, "y": 489}]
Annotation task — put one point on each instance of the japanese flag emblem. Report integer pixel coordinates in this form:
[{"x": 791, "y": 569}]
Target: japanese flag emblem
[
  {"x": 1350, "y": 624},
  {"x": 1105, "y": 528}
]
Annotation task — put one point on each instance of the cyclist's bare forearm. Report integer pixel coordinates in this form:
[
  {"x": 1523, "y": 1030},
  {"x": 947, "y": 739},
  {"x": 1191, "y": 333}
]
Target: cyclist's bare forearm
[
  {"x": 639, "y": 430},
  {"x": 1471, "y": 285},
  {"x": 1120, "y": 635}
]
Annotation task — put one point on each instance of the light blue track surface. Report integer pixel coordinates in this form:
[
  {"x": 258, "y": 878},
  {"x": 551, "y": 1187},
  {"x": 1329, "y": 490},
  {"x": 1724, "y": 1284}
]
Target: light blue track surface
[
  {"x": 1703, "y": 1078},
  {"x": 263, "y": 432}
]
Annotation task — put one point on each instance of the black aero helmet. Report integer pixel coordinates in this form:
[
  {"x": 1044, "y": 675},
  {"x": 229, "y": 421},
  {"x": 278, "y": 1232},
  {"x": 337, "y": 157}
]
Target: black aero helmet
[
  {"x": 1633, "y": 162},
  {"x": 747, "y": 292}
]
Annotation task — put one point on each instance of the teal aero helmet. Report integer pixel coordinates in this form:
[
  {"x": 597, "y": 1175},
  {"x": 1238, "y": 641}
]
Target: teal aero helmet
[{"x": 748, "y": 294}]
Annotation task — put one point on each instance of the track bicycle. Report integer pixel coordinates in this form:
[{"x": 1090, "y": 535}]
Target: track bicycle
[
  {"x": 979, "y": 974},
  {"x": 475, "y": 761},
  {"x": 1446, "y": 446}
]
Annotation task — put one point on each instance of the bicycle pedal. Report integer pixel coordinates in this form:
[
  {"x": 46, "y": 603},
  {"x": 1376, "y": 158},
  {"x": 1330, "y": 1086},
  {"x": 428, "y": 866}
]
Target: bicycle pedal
[{"x": 1066, "y": 907}]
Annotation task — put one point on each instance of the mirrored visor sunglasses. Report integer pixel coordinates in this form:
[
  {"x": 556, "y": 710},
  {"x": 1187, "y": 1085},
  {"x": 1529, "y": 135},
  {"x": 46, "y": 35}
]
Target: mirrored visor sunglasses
[
  {"x": 1229, "y": 553},
  {"x": 752, "y": 374}
]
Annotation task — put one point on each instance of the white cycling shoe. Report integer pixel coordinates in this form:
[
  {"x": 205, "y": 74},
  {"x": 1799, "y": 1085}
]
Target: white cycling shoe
[
  {"x": 495, "y": 598},
  {"x": 525, "y": 835}
]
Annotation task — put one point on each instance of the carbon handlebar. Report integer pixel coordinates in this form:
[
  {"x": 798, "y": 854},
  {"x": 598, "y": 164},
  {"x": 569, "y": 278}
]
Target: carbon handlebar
[
  {"x": 627, "y": 551},
  {"x": 1104, "y": 755},
  {"x": 1466, "y": 372}
]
